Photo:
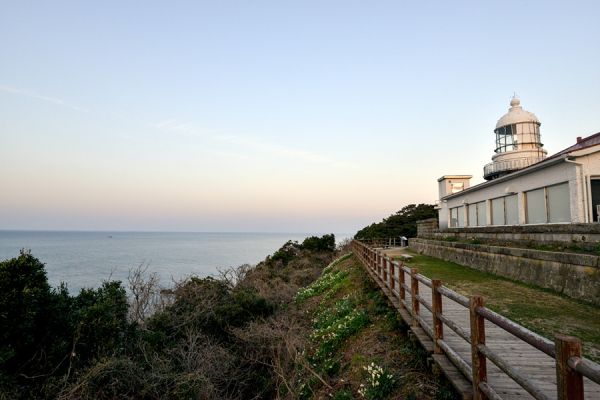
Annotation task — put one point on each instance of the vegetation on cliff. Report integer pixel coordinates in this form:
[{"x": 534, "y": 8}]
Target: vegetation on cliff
[
  {"x": 357, "y": 347},
  {"x": 216, "y": 337},
  {"x": 288, "y": 328},
  {"x": 402, "y": 223}
]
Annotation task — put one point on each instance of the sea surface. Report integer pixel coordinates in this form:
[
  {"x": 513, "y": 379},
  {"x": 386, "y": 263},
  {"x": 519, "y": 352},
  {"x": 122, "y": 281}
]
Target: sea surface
[{"x": 85, "y": 259}]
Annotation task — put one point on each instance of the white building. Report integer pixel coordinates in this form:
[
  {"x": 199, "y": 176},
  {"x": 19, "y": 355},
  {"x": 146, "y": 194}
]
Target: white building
[{"x": 524, "y": 186}]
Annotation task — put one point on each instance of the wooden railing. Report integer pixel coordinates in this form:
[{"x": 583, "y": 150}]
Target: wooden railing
[
  {"x": 384, "y": 242},
  {"x": 571, "y": 366}
]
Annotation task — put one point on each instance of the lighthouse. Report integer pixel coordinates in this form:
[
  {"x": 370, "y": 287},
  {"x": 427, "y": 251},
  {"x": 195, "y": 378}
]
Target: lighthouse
[{"x": 518, "y": 143}]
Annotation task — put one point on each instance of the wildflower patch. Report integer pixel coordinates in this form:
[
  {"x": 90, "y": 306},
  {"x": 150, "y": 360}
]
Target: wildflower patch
[
  {"x": 379, "y": 382},
  {"x": 332, "y": 326},
  {"x": 331, "y": 280},
  {"x": 335, "y": 262}
]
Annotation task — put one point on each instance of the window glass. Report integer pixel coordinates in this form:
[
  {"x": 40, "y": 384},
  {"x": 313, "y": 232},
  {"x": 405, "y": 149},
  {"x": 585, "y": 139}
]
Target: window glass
[
  {"x": 453, "y": 217},
  {"x": 481, "y": 217},
  {"x": 558, "y": 203},
  {"x": 504, "y": 138},
  {"x": 461, "y": 216},
  {"x": 498, "y": 211},
  {"x": 472, "y": 215},
  {"x": 511, "y": 210},
  {"x": 536, "y": 206}
]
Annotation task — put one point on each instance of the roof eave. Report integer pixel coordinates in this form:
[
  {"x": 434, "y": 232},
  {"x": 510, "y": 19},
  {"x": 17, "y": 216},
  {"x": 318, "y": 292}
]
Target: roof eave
[{"x": 524, "y": 171}]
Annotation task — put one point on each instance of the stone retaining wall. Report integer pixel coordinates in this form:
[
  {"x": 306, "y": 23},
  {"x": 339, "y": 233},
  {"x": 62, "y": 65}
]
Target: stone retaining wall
[
  {"x": 575, "y": 275},
  {"x": 585, "y": 236}
]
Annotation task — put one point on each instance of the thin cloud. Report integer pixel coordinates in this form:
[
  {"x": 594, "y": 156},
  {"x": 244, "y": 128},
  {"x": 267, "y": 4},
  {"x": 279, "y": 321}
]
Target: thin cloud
[
  {"x": 188, "y": 129},
  {"x": 283, "y": 151},
  {"x": 33, "y": 95}
]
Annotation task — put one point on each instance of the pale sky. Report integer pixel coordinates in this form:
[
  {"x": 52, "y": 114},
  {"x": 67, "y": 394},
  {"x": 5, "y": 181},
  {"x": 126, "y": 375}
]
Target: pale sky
[{"x": 289, "y": 116}]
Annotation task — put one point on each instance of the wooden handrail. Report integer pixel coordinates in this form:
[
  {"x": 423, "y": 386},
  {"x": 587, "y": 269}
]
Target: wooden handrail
[
  {"x": 537, "y": 341},
  {"x": 571, "y": 366},
  {"x": 517, "y": 376},
  {"x": 423, "y": 279},
  {"x": 585, "y": 367}
]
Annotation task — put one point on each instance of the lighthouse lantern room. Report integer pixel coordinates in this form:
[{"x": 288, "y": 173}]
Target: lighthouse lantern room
[{"x": 518, "y": 143}]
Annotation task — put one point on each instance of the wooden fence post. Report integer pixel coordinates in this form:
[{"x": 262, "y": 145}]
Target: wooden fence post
[
  {"x": 401, "y": 283},
  {"x": 436, "y": 307},
  {"x": 392, "y": 276},
  {"x": 478, "y": 361},
  {"x": 385, "y": 270},
  {"x": 376, "y": 262},
  {"x": 414, "y": 292},
  {"x": 569, "y": 382}
]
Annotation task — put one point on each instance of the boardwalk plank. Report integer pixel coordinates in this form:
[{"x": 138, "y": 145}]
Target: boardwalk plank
[{"x": 537, "y": 366}]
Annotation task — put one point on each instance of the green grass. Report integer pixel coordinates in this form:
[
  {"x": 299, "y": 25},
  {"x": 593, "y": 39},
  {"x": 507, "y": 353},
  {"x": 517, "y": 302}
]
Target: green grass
[{"x": 540, "y": 310}]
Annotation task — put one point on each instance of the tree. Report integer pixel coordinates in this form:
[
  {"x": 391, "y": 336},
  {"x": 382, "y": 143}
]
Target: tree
[{"x": 403, "y": 223}]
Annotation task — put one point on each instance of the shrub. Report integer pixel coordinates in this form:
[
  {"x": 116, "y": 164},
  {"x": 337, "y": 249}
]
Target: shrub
[
  {"x": 285, "y": 254},
  {"x": 403, "y": 223},
  {"x": 24, "y": 305},
  {"x": 324, "y": 243},
  {"x": 45, "y": 332},
  {"x": 101, "y": 326}
]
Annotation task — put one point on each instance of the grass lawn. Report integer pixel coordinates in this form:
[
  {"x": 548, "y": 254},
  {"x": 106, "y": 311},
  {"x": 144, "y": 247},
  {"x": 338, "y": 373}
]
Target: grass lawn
[{"x": 540, "y": 310}]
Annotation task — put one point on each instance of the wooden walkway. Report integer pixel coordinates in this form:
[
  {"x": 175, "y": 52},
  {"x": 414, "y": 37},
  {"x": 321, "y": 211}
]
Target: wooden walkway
[{"x": 538, "y": 367}]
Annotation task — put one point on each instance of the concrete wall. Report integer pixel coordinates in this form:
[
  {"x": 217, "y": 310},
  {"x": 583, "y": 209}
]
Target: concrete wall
[
  {"x": 553, "y": 174},
  {"x": 575, "y": 275}
]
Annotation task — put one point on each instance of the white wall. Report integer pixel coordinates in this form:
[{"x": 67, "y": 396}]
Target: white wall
[{"x": 553, "y": 174}]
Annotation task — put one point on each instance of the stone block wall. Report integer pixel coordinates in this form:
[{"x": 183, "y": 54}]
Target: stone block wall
[
  {"x": 585, "y": 236},
  {"x": 575, "y": 275}
]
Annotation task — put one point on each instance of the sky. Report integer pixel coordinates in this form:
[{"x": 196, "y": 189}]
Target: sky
[{"x": 272, "y": 116}]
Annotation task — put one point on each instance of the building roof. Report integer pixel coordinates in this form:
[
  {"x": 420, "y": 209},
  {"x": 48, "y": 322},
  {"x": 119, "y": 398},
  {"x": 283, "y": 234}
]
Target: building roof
[
  {"x": 516, "y": 115},
  {"x": 582, "y": 143},
  {"x": 455, "y": 177}
]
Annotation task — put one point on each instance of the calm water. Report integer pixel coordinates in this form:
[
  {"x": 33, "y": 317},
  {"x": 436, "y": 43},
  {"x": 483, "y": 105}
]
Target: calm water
[{"x": 85, "y": 259}]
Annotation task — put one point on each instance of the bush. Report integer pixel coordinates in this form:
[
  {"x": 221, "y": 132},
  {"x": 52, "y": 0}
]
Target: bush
[
  {"x": 46, "y": 332},
  {"x": 100, "y": 317},
  {"x": 324, "y": 243},
  {"x": 24, "y": 305},
  {"x": 208, "y": 338},
  {"x": 403, "y": 223}
]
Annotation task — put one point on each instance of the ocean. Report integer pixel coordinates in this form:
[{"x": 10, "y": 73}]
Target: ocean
[{"x": 85, "y": 259}]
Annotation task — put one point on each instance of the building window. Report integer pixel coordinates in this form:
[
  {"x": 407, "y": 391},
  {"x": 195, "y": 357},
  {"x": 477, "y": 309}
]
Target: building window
[
  {"x": 536, "y": 206},
  {"x": 511, "y": 208},
  {"x": 481, "y": 214},
  {"x": 477, "y": 214},
  {"x": 457, "y": 217},
  {"x": 505, "y": 210},
  {"x": 461, "y": 217},
  {"x": 498, "y": 211},
  {"x": 505, "y": 138},
  {"x": 453, "y": 217},
  {"x": 472, "y": 214},
  {"x": 549, "y": 204},
  {"x": 559, "y": 209}
]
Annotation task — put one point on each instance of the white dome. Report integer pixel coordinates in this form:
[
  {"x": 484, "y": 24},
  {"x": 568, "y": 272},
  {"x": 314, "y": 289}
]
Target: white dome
[{"x": 516, "y": 114}]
